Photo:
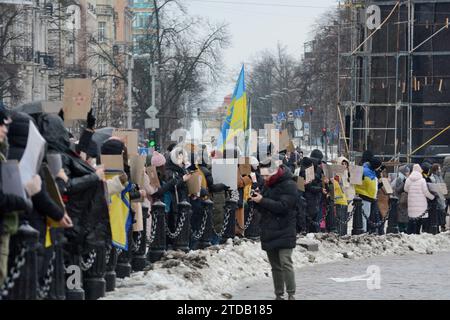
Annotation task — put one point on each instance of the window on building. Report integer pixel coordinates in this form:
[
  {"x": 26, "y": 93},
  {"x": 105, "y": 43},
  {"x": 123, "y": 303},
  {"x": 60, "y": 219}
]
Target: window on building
[
  {"x": 101, "y": 31},
  {"x": 102, "y": 68}
]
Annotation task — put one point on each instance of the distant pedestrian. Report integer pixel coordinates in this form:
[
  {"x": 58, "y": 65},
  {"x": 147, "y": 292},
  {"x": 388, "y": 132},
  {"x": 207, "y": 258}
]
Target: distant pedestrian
[{"x": 418, "y": 193}]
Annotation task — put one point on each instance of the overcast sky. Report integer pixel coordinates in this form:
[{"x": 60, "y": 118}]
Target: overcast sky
[{"x": 256, "y": 25}]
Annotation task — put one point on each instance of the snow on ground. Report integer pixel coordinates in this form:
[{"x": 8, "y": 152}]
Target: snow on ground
[{"x": 214, "y": 272}]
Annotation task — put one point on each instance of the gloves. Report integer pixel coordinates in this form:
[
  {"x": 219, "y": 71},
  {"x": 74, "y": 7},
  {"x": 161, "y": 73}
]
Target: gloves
[
  {"x": 33, "y": 186},
  {"x": 90, "y": 120}
]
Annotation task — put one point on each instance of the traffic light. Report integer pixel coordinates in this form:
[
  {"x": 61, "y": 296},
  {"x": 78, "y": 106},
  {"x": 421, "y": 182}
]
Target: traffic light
[{"x": 152, "y": 139}]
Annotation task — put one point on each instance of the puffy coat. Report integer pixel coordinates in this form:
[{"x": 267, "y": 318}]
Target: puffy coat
[
  {"x": 418, "y": 193},
  {"x": 278, "y": 213}
]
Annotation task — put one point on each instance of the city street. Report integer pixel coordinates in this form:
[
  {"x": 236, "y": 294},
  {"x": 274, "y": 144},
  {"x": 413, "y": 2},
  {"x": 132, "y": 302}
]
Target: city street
[{"x": 412, "y": 276}]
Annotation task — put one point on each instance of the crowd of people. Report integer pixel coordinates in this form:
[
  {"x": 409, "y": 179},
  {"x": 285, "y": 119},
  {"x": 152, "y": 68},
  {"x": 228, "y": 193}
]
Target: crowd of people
[{"x": 279, "y": 205}]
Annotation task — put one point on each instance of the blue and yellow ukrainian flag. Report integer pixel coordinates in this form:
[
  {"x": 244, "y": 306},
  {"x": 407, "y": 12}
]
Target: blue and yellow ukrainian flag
[
  {"x": 120, "y": 217},
  {"x": 236, "y": 120}
]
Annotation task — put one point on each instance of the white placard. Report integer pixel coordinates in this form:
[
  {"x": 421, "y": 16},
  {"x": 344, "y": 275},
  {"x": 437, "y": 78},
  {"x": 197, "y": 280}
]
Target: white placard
[
  {"x": 356, "y": 174},
  {"x": 11, "y": 180},
  {"x": 309, "y": 175},
  {"x": 34, "y": 153},
  {"x": 225, "y": 171}
]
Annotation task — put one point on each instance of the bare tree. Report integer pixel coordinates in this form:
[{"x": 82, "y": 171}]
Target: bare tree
[
  {"x": 187, "y": 51},
  {"x": 10, "y": 54}
]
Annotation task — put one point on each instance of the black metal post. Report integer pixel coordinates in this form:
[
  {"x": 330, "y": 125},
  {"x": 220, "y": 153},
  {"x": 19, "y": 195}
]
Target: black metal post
[
  {"x": 331, "y": 217},
  {"x": 357, "y": 217},
  {"x": 253, "y": 230},
  {"x": 230, "y": 209},
  {"x": 58, "y": 284},
  {"x": 433, "y": 217},
  {"x": 74, "y": 281},
  {"x": 342, "y": 216},
  {"x": 181, "y": 242},
  {"x": 93, "y": 280},
  {"x": 158, "y": 245},
  {"x": 25, "y": 286},
  {"x": 123, "y": 267},
  {"x": 205, "y": 240},
  {"x": 139, "y": 261},
  {"x": 393, "y": 216},
  {"x": 111, "y": 262}
]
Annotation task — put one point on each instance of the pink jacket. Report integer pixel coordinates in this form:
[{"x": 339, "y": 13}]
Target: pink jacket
[{"x": 418, "y": 193}]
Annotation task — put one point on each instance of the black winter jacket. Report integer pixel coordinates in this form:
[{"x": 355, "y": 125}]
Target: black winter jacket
[
  {"x": 85, "y": 194},
  {"x": 173, "y": 180},
  {"x": 278, "y": 211}
]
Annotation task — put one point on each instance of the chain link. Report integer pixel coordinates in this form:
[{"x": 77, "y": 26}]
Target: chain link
[
  {"x": 153, "y": 230},
  {"x": 350, "y": 216},
  {"x": 10, "y": 281},
  {"x": 86, "y": 265},
  {"x": 108, "y": 255},
  {"x": 45, "y": 288},
  {"x": 419, "y": 217},
  {"x": 225, "y": 223},
  {"x": 199, "y": 233},
  {"x": 248, "y": 222},
  {"x": 178, "y": 228},
  {"x": 138, "y": 242}
]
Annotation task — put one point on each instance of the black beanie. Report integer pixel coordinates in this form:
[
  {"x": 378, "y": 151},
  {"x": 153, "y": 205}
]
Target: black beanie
[
  {"x": 317, "y": 155},
  {"x": 112, "y": 147},
  {"x": 367, "y": 156},
  {"x": 307, "y": 162},
  {"x": 375, "y": 163}
]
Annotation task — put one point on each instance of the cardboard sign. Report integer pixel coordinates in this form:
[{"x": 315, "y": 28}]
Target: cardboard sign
[
  {"x": 245, "y": 169},
  {"x": 33, "y": 155},
  {"x": 153, "y": 175},
  {"x": 356, "y": 174},
  {"x": 138, "y": 226},
  {"x": 137, "y": 165},
  {"x": 309, "y": 173},
  {"x": 112, "y": 162},
  {"x": 194, "y": 184},
  {"x": 301, "y": 184},
  {"x": 130, "y": 139},
  {"x": 11, "y": 179},
  {"x": 387, "y": 186},
  {"x": 327, "y": 171},
  {"x": 284, "y": 139},
  {"x": 52, "y": 188},
  {"x": 77, "y": 98},
  {"x": 290, "y": 147},
  {"x": 338, "y": 169},
  {"x": 224, "y": 171}
]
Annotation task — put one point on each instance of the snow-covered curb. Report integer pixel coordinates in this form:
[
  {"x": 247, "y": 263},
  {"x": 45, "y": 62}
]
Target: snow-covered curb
[{"x": 218, "y": 270}]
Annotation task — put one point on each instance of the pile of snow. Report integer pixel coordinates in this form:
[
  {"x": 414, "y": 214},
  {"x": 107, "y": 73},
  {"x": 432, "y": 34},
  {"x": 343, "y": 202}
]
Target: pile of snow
[{"x": 214, "y": 272}]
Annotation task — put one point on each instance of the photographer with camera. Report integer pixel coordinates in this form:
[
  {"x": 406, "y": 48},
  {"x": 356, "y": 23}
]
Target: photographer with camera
[{"x": 276, "y": 203}]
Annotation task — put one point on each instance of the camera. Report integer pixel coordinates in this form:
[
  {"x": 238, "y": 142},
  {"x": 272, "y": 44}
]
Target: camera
[{"x": 253, "y": 193}]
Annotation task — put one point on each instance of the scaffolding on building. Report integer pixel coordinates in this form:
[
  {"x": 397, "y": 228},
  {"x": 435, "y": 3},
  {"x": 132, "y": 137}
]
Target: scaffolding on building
[{"x": 393, "y": 80}]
